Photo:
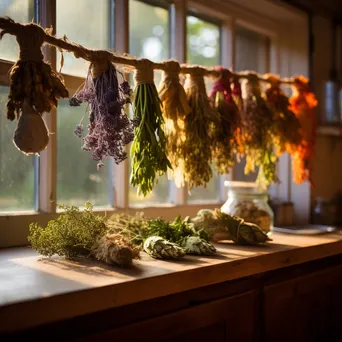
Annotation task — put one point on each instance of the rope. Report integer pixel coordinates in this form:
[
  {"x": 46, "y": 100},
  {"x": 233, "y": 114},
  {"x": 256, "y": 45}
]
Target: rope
[
  {"x": 171, "y": 70},
  {"x": 9, "y": 26},
  {"x": 144, "y": 72}
]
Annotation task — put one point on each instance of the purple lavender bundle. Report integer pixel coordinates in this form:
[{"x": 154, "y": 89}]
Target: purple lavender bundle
[{"x": 109, "y": 128}]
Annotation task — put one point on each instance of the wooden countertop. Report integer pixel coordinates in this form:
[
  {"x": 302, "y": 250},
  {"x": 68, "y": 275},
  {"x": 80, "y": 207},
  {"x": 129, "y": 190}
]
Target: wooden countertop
[{"x": 34, "y": 291}]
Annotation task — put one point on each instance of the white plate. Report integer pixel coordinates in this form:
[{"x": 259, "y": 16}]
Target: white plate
[{"x": 306, "y": 230}]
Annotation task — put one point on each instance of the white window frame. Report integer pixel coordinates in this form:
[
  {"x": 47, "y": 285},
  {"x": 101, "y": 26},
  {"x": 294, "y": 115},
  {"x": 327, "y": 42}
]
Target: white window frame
[{"x": 288, "y": 56}]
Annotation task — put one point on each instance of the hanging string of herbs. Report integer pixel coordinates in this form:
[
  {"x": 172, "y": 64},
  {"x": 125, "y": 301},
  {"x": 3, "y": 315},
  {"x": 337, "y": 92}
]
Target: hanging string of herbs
[
  {"x": 227, "y": 131},
  {"x": 175, "y": 109},
  {"x": 199, "y": 127},
  {"x": 257, "y": 131},
  {"x": 148, "y": 150}
]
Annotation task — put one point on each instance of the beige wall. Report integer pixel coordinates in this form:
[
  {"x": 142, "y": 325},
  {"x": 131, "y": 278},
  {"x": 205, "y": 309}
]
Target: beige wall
[{"x": 327, "y": 167}]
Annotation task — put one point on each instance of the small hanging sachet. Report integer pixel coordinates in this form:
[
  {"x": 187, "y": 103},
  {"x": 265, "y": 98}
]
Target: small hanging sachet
[
  {"x": 228, "y": 131},
  {"x": 302, "y": 103},
  {"x": 286, "y": 126},
  {"x": 257, "y": 125},
  {"x": 199, "y": 127},
  {"x": 175, "y": 108},
  {"x": 34, "y": 87},
  {"x": 109, "y": 128},
  {"x": 148, "y": 150}
]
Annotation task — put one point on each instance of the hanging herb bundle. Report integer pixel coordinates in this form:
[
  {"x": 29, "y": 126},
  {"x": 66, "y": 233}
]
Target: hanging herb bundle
[
  {"x": 199, "y": 127},
  {"x": 237, "y": 93},
  {"x": 78, "y": 233},
  {"x": 109, "y": 128},
  {"x": 286, "y": 126},
  {"x": 257, "y": 129},
  {"x": 148, "y": 150},
  {"x": 34, "y": 87},
  {"x": 302, "y": 103},
  {"x": 175, "y": 108},
  {"x": 228, "y": 131}
]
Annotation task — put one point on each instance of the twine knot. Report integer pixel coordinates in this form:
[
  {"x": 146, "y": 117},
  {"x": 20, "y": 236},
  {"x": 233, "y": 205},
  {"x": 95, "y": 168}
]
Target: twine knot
[
  {"x": 171, "y": 71},
  {"x": 273, "y": 80},
  {"x": 144, "y": 72},
  {"x": 251, "y": 86},
  {"x": 99, "y": 63},
  {"x": 30, "y": 39},
  {"x": 195, "y": 78}
]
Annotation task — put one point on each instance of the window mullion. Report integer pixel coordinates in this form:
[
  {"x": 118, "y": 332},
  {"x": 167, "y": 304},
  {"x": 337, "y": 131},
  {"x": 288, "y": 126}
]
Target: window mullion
[
  {"x": 178, "y": 14},
  {"x": 228, "y": 61},
  {"x": 48, "y": 157},
  {"x": 121, "y": 44}
]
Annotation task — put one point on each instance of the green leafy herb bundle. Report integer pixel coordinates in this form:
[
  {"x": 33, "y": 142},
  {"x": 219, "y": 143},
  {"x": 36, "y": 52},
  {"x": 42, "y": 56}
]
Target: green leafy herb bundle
[
  {"x": 148, "y": 150},
  {"x": 81, "y": 233}
]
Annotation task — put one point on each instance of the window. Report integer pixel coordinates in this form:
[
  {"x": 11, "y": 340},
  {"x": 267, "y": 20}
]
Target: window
[
  {"x": 75, "y": 178},
  {"x": 203, "y": 47},
  {"x": 252, "y": 53},
  {"x": 91, "y": 30},
  {"x": 18, "y": 10},
  {"x": 149, "y": 38},
  {"x": 78, "y": 179},
  {"x": 18, "y": 173}
]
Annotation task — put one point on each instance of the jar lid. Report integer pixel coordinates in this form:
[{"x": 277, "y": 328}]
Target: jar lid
[{"x": 248, "y": 188}]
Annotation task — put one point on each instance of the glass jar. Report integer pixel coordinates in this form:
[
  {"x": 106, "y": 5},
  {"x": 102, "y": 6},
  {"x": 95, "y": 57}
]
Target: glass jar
[{"x": 245, "y": 200}]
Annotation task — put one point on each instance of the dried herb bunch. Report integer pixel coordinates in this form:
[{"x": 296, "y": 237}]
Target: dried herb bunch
[
  {"x": 286, "y": 126},
  {"x": 257, "y": 131},
  {"x": 81, "y": 233},
  {"x": 175, "y": 109},
  {"x": 148, "y": 151},
  {"x": 220, "y": 226},
  {"x": 302, "y": 103},
  {"x": 228, "y": 131},
  {"x": 199, "y": 127},
  {"x": 109, "y": 128},
  {"x": 34, "y": 87},
  {"x": 30, "y": 77}
]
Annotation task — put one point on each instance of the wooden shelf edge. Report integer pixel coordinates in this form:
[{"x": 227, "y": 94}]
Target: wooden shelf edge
[{"x": 330, "y": 130}]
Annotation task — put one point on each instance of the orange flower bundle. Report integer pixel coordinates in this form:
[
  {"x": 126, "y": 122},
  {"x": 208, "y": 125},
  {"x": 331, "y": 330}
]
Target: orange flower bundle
[
  {"x": 302, "y": 103},
  {"x": 286, "y": 126}
]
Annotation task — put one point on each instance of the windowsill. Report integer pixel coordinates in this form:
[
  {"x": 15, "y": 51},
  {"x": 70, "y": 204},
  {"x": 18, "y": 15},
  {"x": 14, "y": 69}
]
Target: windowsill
[
  {"x": 15, "y": 226},
  {"x": 35, "y": 292}
]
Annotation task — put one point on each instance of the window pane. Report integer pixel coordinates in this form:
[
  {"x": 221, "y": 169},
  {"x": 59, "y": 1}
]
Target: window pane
[
  {"x": 149, "y": 38},
  {"x": 78, "y": 179},
  {"x": 86, "y": 22},
  {"x": 252, "y": 53},
  {"x": 203, "y": 47},
  {"x": 16, "y": 169},
  {"x": 18, "y": 10}
]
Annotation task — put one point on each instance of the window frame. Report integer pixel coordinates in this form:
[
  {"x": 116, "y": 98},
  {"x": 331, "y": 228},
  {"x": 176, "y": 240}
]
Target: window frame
[{"x": 14, "y": 226}]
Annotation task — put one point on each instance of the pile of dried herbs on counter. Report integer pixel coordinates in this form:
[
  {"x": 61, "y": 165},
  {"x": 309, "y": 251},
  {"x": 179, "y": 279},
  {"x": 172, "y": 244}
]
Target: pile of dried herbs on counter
[{"x": 119, "y": 239}]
